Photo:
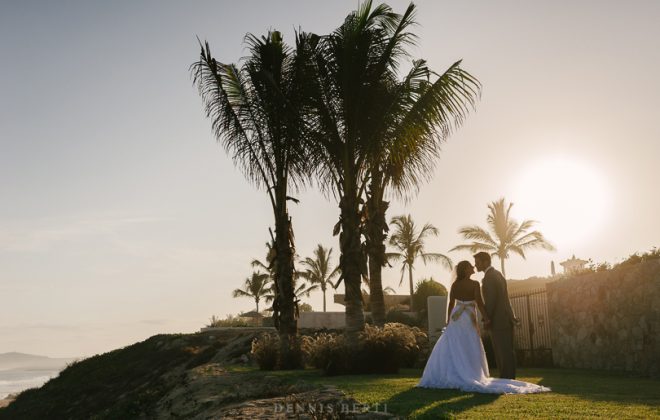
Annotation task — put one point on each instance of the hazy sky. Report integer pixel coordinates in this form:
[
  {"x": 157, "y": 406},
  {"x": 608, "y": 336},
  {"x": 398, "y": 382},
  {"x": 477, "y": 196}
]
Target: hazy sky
[{"x": 121, "y": 217}]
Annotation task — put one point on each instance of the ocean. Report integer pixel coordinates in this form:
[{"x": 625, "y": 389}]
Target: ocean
[{"x": 17, "y": 380}]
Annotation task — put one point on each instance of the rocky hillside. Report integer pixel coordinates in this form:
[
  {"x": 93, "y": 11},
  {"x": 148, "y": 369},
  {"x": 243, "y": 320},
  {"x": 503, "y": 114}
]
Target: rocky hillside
[{"x": 187, "y": 376}]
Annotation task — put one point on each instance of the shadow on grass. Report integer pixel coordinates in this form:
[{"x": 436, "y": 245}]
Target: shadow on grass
[
  {"x": 597, "y": 385},
  {"x": 435, "y": 403}
]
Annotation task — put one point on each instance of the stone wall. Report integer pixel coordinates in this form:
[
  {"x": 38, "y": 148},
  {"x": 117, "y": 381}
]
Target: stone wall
[
  {"x": 607, "y": 320},
  {"x": 437, "y": 316},
  {"x": 318, "y": 320}
]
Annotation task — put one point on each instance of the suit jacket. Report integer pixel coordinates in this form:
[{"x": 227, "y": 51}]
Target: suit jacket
[{"x": 496, "y": 300}]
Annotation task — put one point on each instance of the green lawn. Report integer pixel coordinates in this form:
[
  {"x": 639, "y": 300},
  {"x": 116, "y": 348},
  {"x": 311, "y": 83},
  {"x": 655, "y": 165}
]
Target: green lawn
[{"x": 576, "y": 394}]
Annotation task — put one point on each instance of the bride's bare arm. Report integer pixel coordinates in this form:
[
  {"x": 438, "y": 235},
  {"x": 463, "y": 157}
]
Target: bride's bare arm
[{"x": 451, "y": 304}]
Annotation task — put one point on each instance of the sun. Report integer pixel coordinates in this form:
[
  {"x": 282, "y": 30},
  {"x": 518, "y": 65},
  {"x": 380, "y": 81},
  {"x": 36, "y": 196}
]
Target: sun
[{"x": 570, "y": 198}]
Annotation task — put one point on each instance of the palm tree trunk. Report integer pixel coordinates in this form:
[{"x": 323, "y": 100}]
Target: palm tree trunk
[
  {"x": 257, "y": 302},
  {"x": 324, "y": 299},
  {"x": 502, "y": 266},
  {"x": 410, "y": 277},
  {"x": 284, "y": 305},
  {"x": 350, "y": 262},
  {"x": 376, "y": 227}
]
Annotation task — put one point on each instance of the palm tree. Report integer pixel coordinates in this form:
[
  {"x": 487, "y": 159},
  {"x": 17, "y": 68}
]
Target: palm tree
[
  {"x": 319, "y": 271},
  {"x": 352, "y": 64},
  {"x": 269, "y": 265},
  {"x": 303, "y": 289},
  {"x": 300, "y": 289},
  {"x": 410, "y": 119},
  {"x": 256, "y": 287},
  {"x": 410, "y": 244},
  {"x": 509, "y": 235},
  {"x": 257, "y": 113},
  {"x": 367, "y": 293}
]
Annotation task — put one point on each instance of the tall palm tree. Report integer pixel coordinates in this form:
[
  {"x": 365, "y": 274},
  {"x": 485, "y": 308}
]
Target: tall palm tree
[
  {"x": 410, "y": 244},
  {"x": 257, "y": 113},
  {"x": 409, "y": 121},
  {"x": 319, "y": 271},
  {"x": 352, "y": 64},
  {"x": 509, "y": 235},
  {"x": 256, "y": 287}
]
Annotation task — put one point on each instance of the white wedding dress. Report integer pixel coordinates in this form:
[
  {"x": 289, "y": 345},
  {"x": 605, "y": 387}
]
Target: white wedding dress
[{"x": 458, "y": 360}]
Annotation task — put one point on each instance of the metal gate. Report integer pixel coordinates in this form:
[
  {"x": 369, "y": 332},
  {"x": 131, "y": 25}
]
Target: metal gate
[{"x": 532, "y": 335}]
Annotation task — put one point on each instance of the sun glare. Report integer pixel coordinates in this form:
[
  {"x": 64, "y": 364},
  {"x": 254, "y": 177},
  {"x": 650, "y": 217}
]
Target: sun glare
[{"x": 570, "y": 198}]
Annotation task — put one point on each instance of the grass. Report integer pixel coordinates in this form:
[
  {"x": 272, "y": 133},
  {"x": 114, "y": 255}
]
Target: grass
[
  {"x": 136, "y": 382},
  {"x": 576, "y": 394}
]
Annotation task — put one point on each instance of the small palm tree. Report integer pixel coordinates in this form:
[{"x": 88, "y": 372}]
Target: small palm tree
[
  {"x": 256, "y": 287},
  {"x": 509, "y": 235},
  {"x": 303, "y": 289},
  {"x": 267, "y": 266},
  {"x": 300, "y": 289},
  {"x": 369, "y": 298},
  {"x": 410, "y": 244},
  {"x": 319, "y": 271}
]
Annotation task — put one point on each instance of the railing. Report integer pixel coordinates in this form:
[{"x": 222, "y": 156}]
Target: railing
[{"x": 532, "y": 335}]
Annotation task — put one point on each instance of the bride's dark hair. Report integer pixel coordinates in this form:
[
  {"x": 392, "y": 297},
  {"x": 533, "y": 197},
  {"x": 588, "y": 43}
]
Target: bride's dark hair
[{"x": 461, "y": 270}]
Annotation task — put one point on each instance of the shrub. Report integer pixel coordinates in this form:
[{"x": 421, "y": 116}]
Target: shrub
[
  {"x": 417, "y": 347},
  {"x": 637, "y": 258},
  {"x": 396, "y": 316},
  {"x": 423, "y": 290},
  {"x": 265, "y": 351},
  {"x": 379, "y": 350},
  {"x": 382, "y": 350},
  {"x": 305, "y": 307},
  {"x": 229, "y": 321},
  {"x": 326, "y": 351}
]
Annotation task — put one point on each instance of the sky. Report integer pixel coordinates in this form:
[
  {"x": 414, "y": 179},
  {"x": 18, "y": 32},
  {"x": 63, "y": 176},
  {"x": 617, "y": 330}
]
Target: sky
[{"x": 121, "y": 217}]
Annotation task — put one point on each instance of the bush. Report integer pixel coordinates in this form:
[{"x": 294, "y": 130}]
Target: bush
[
  {"x": 396, "y": 316},
  {"x": 229, "y": 321},
  {"x": 379, "y": 350},
  {"x": 423, "y": 290},
  {"x": 265, "y": 351},
  {"x": 305, "y": 307},
  {"x": 637, "y": 258},
  {"x": 415, "y": 353},
  {"x": 326, "y": 351}
]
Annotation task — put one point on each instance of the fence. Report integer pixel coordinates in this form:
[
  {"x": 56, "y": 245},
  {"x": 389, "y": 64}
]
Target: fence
[{"x": 532, "y": 334}]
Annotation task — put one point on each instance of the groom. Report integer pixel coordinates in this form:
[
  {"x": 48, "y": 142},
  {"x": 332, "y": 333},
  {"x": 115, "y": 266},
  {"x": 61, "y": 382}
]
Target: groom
[{"x": 498, "y": 308}]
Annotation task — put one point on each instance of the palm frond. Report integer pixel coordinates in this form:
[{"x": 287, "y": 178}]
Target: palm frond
[
  {"x": 240, "y": 293},
  {"x": 477, "y": 234},
  {"x": 474, "y": 247},
  {"x": 435, "y": 257}
]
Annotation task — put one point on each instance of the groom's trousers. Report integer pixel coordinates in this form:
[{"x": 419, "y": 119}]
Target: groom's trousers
[{"x": 505, "y": 356}]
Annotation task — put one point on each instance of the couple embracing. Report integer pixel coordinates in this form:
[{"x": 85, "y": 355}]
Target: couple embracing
[{"x": 458, "y": 360}]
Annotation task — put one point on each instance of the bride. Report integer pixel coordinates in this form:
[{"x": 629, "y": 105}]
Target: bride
[{"x": 458, "y": 360}]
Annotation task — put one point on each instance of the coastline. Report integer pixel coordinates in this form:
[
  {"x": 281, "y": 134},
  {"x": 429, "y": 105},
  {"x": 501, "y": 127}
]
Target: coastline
[{"x": 7, "y": 400}]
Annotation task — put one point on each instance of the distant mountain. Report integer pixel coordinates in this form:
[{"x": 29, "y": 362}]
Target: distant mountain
[{"x": 24, "y": 361}]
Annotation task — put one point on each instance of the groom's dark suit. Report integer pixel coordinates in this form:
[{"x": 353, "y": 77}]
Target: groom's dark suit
[{"x": 498, "y": 308}]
